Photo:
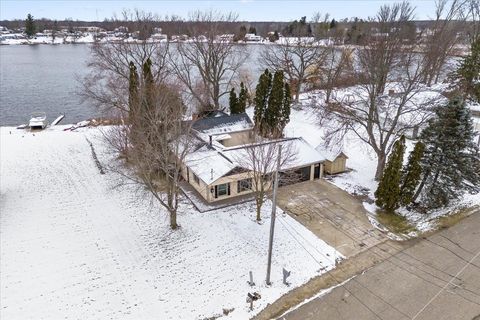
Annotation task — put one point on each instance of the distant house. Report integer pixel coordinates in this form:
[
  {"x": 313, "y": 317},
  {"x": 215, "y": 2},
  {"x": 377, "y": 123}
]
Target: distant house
[
  {"x": 217, "y": 169},
  {"x": 336, "y": 160},
  {"x": 251, "y": 37},
  {"x": 226, "y": 37}
]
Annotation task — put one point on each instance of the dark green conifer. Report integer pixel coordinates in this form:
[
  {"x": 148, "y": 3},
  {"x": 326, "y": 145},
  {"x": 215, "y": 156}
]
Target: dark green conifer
[
  {"x": 132, "y": 90},
  {"x": 242, "y": 98},
  {"x": 412, "y": 174},
  {"x": 451, "y": 163},
  {"x": 30, "y": 27},
  {"x": 388, "y": 191},
  {"x": 233, "y": 102},
  {"x": 275, "y": 105},
  {"x": 149, "y": 86},
  {"x": 262, "y": 92},
  {"x": 468, "y": 73}
]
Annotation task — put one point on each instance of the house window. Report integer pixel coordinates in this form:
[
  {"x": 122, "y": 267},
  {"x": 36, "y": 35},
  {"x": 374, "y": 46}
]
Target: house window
[
  {"x": 222, "y": 190},
  {"x": 195, "y": 178},
  {"x": 244, "y": 185}
]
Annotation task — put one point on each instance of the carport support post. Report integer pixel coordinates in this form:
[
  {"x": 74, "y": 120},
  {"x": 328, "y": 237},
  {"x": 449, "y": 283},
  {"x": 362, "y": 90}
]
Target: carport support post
[{"x": 272, "y": 218}]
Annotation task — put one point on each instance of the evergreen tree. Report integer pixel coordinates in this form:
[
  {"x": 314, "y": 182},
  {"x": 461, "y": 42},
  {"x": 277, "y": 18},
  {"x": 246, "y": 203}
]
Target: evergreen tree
[
  {"x": 132, "y": 91},
  {"x": 451, "y": 163},
  {"x": 388, "y": 191},
  {"x": 252, "y": 30},
  {"x": 412, "y": 174},
  {"x": 262, "y": 92},
  {"x": 242, "y": 98},
  {"x": 468, "y": 73},
  {"x": 149, "y": 86},
  {"x": 272, "y": 104},
  {"x": 333, "y": 24},
  {"x": 234, "y": 103},
  {"x": 30, "y": 28},
  {"x": 287, "y": 101},
  {"x": 275, "y": 105},
  {"x": 54, "y": 30}
]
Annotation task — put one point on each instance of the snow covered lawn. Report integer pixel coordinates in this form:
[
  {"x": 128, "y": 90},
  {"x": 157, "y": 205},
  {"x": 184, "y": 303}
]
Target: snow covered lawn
[{"x": 73, "y": 247}]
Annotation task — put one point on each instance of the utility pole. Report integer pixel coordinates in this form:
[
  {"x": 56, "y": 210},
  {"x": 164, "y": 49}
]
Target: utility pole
[{"x": 272, "y": 218}]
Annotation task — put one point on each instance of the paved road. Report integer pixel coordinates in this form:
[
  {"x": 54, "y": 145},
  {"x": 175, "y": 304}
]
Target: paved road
[{"x": 437, "y": 278}]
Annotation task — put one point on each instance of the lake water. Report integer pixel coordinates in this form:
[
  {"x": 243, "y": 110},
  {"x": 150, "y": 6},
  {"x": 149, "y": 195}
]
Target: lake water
[{"x": 44, "y": 78}]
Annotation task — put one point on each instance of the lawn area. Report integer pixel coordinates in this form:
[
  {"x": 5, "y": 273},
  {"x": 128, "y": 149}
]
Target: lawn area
[{"x": 72, "y": 244}]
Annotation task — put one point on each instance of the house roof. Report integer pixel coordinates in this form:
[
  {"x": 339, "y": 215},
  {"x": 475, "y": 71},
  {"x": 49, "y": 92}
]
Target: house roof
[
  {"x": 210, "y": 164},
  {"x": 223, "y": 123},
  {"x": 330, "y": 153}
]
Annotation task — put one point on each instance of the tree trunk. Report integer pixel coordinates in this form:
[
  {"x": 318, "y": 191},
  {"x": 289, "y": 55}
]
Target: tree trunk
[
  {"x": 420, "y": 187},
  {"x": 259, "y": 202},
  {"x": 173, "y": 219},
  {"x": 297, "y": 91},
  {"x": 380, "y": 166}
]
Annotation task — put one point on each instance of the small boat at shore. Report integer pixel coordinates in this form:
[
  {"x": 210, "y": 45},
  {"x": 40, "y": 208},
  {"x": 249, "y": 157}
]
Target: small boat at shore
[{"x": 38, "y": 120}]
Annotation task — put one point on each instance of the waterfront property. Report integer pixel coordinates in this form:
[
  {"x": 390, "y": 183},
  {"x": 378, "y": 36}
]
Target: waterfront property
[{"x": 224, "y": 162}]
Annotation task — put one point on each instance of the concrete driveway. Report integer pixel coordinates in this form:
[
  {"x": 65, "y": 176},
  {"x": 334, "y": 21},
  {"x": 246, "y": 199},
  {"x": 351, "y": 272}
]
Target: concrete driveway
[{"x": 332, "y": 214}]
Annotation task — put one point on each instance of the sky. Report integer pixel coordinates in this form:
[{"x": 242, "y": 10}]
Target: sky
[{"x": 248, "y": 10}]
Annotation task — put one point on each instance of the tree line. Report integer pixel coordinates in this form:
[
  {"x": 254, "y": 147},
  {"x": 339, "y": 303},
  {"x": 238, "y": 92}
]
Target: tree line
[{"x": 152, "y": 87}]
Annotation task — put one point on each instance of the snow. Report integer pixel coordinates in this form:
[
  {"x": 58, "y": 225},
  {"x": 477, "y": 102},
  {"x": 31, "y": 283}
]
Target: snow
[
  {"x": 74, "y": 244},
  {"x": 209, "y": 165},
  {"x": 301, "y": 152}
]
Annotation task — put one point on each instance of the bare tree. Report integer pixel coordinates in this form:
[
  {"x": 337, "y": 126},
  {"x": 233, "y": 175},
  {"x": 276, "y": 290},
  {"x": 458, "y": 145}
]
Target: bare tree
[
  {"x": 260, "y": 160},
  {"x": 207, "y": 64},
  {"x": 106, "y": 84},
  {"x": 473, "y": 18},
  {"x": 298, "y": 60},
  {"x": 376, "y": 118},
  {"x": 158, "y": 147},
  {"x": 337, "y": 66},
  {"x": 442, "y": 37}
]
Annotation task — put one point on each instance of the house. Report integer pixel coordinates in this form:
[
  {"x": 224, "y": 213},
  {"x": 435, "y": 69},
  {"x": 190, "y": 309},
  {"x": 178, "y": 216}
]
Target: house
[
  {"x": 219, "y": 167},
  {"x": 336, "y": 160},
  {"x": 251, "y": 37}
]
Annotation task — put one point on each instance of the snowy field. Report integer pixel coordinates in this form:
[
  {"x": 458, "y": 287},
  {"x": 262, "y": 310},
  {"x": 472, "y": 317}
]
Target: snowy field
[{"x": 72, "y": 247}]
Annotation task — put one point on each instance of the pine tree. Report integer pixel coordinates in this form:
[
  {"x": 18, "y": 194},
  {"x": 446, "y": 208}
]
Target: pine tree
[
  {"x": 333, "y": 24},
  {"x": 451, "y": 163},
  {"x": 30, "y": 28},
  {"x": 388, "y": 191},
  {"x": 242, "y": 98},
  {"x": 468, "y": 73},
  {"x": 54, "y": 30},
  {"x": 275, "y": 105},
  {"x": 287, "y": 101},
  {"x": 149, "y": 86},
  {"x": 262, "y": 92},
  {"x": 132, "y": 91},
  {"x": 233, "y": 102},
  {"x": 412, "y": 174}
]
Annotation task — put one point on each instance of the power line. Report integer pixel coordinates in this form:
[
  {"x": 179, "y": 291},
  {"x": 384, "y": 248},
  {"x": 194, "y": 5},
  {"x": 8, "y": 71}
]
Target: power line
[
  {"x": 365, "y": 287},
  {"x": 402, "y": 251},
  {"x": 400, "y": 267},
  {"x": 333, "y": 277},
  {"x": 438, "y": 293}
]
